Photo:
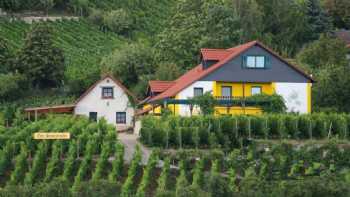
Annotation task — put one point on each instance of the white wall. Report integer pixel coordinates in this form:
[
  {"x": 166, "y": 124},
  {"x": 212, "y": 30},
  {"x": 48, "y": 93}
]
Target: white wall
[
  {"x": 295, "y": 96},
  {"x": 188, "y": 92},
  {"x": 106, "y": 108}
]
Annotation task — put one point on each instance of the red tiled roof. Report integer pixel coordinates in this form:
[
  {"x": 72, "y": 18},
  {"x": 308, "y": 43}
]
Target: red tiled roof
[
  {"x": 224, "y": 56},
  {"x": 215, "y": 54},
  {"x": 160, "y": 86}
]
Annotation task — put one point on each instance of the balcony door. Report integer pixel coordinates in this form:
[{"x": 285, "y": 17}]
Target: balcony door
[{"x": 226, "y": 92}]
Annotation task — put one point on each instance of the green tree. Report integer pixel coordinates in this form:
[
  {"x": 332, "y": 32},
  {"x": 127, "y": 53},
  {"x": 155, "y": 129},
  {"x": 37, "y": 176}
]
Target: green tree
[
  {"x": 11, "y": 86},
  {"x": 250, "y": 17},
  {"x": 118, "y": 21},
  {"x": 206, "y": 102},
  {"x": 331, "y": 89},
  {"x": 40, "y": 61},
  {"x": 5, "y": 56},
  {"x": 47, "y": 5},
  {"x": 339, "y": 10},
  {"x": 318, "y": 21},
  {"x": 134, "y": 65},
  {"x": 167, "y": 72},
  {"x": 323, "y": 52},
  {"x": 284, "y": 25}
]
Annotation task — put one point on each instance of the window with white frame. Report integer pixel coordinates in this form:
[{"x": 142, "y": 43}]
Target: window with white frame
[
  {"x": 255, "y": 61},
  {"x": 256, "y": 90}
]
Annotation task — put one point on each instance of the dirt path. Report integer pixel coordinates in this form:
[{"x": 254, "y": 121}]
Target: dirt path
[{"x": 130, "y": 141}]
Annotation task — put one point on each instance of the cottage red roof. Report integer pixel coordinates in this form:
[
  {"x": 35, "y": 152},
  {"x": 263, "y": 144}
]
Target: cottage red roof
[
  {"x": 223, "y": 56},
  {"x": 160, "y": 86},
  {"x": 115, "y": 81}
]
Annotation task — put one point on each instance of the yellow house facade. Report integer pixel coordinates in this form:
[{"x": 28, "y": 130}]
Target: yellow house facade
[{"x": 233, "y": 73}]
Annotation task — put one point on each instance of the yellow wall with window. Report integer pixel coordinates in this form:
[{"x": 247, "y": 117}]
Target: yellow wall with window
[{"x": 241, "y": 90}]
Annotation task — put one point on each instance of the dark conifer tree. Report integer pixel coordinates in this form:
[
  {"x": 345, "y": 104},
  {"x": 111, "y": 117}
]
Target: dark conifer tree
[{"x": 40, "y": 60}]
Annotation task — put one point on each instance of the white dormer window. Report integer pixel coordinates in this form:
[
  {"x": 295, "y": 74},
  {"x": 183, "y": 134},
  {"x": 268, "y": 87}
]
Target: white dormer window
[
  {"x": 255, "y": 61},
  {"x": 107, "y": 92}
]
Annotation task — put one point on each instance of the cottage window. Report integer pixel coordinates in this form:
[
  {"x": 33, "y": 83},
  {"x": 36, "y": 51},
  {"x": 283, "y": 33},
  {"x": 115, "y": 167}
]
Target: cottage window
[
  {"x": 121, "y": 117},
  {"x": 226, "y": 91},
  {"x": 197, "y": 92},
  {"x": 255, "y": 61},
  {"x": 93, "y": 116},
  {"x": 107, "y": 92},
  {"x": 256, "y": 90}
]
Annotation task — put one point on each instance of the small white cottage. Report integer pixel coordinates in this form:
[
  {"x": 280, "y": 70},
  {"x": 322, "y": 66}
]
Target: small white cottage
[{"x": 107, "y": 98}]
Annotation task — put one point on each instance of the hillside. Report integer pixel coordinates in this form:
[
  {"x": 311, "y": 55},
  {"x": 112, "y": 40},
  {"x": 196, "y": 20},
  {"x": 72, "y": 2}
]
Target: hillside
[{"x": 82, "y": 42}]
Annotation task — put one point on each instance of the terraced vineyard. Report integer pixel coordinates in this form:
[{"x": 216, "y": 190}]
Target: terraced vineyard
[{"x": 83, "y": 44}]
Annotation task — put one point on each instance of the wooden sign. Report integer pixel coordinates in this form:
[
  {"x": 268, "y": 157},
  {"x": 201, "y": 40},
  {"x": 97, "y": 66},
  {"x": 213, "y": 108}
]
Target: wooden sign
[{"x": 51, "y": 136}]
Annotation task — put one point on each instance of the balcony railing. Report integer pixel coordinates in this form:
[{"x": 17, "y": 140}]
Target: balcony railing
[{"x": 224, "y": 101}]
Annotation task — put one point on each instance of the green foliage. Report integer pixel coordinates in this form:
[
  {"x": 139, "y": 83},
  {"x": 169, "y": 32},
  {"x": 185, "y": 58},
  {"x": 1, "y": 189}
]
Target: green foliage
[
  {"x": 229, "y": 131},
  {"x": 181, "y": 181},
  {"x": 70, "y": 161},
  {"x": 198, "y": 174},
  {"x": 39, "y": 162},
  {"x": 133, "y": 65},
  {"x": 323, "y": 53},
  {"x": 10, "y": 86},
  {"x": 317, "y": 19},
  {"x": 6, "y": 155},
  {"x": 85, "y": 164},
  {"x": 269, "y": 103},
  {"x": 20, "y": 167},
  {"x": 167, "y": 72},
  {"x": 339, "y": 11},
  {"x": 102, "y": 161},
  {"x": 40, "y": 61},
  {"x": 206, "y": 103},
  {"x": 54, "y": 164},
  {"x": 147, "y": 175},
  {"x": 331, "y": 89},
  {"x": 128, "y": 186},
  {"x": 118, "y": 21},
  {"x": 117, "y": 164},
  {"x": 163, "y": 180}
]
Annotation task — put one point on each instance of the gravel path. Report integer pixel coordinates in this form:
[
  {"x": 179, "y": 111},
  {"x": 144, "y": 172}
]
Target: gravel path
[{"x": 130, "y": 141}]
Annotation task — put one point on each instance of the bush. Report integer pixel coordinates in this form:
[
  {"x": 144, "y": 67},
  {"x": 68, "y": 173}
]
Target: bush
[{"x": 118, "y": 21}]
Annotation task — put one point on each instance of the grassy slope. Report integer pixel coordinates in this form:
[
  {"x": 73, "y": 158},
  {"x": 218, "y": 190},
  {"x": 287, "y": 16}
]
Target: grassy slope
[{"x": 83, "y": 44}]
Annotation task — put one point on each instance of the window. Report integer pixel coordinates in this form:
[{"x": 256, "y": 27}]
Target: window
[
  {"x": 93, "y": 116},
  {"x": 255, "y": 61},
  {"x": 256, "y": 90},
  {"x": 197, "y": 92},
  {"x": 226, "y": 91},
  {"x": 121, "y": 117},
  {"x": 107, "y": 92}
]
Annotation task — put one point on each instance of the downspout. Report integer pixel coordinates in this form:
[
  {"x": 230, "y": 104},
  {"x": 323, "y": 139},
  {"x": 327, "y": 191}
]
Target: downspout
[{"x": 243, "y": 103}]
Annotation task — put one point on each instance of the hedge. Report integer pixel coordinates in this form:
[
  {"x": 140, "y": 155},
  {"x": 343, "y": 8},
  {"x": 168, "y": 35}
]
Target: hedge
[{"x": 230, "y": 131}]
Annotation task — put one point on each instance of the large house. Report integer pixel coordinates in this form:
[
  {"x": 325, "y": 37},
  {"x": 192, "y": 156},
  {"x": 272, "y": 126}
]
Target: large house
[
  {"x": 237, "y": 72},
  {"x": 107, "y": 98}
]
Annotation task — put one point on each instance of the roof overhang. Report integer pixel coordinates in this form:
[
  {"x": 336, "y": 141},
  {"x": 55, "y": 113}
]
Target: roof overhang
[{"x": 51, "y": 109}]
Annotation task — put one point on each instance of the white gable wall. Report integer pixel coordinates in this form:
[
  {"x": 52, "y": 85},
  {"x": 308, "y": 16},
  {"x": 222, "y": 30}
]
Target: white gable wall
[
  {"x": 184, "y": 110},
  {"x": 295, "y": 96},
  {"x": 107, "y": 108}
]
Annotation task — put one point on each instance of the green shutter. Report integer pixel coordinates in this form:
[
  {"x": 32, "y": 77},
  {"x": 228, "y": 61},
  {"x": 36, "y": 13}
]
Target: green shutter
[
  {"x": 244, "y": 61},
  {"x": 267, "y": 62}
]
